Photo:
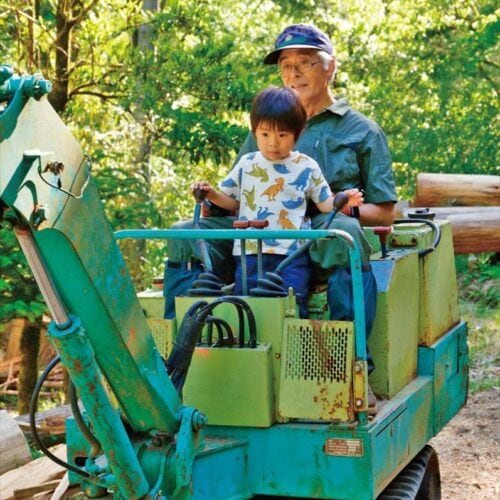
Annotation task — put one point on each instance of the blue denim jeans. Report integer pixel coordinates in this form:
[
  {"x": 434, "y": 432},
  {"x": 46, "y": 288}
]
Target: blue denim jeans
[{"x": 296, "y": 274}]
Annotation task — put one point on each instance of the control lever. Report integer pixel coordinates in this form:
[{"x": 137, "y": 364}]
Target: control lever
[{"x": 382, "y": 232}]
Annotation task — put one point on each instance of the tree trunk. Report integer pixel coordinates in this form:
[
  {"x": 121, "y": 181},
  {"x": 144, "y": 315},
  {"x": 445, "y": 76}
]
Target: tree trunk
[
  {"x": 28, "y": 372},
  {"x": 59, "y": 95},
  {"x": 440, "y": 190}
]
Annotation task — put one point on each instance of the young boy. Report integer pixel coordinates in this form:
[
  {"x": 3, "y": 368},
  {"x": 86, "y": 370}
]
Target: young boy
[{"x": 275, "y": 183}]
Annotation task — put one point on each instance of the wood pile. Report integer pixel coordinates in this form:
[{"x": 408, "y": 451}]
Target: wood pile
[
  {"x": 470, "y": 202},
  {"x": 10, "y": 365},
  {"x": 40, "y": 478},
  {"x": 21, "y": 476}
]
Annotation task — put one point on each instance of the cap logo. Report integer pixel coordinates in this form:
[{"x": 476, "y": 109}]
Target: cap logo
[{"x": 288, "y": 38}]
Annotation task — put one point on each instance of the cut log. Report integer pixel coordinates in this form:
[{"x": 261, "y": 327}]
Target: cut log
[
  {"x": 440, "y": 190},
  {"x": 50, "y": 425},
  {"x": 14, "y": 449},
  {"x": 474, "y": 229},
  {"x": 61, "y": 489},
  {"x": 33, "y": 474},
  {"x": 31, "y": 491}
]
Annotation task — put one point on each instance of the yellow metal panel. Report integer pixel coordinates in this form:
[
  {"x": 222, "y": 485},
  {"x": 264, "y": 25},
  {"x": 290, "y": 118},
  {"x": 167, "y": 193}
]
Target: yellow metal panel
[
  {"x": 232, "y": 386},
  {"x": 152, "y": 302},
  {"x": 163, "y": 331},
  {"x": 438, "y": 297},
  {"x": 270, "y": 313},
  {"x": 316, "y": 370},
  {"x": 394, "y": 337}
]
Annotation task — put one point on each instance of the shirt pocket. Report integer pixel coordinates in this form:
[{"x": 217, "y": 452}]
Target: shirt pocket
[{"x": 342, "y": 170}]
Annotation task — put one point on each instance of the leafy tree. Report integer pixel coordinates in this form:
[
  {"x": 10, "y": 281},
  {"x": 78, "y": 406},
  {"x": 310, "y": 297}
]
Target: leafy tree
[{"x": 434, "y": 84}]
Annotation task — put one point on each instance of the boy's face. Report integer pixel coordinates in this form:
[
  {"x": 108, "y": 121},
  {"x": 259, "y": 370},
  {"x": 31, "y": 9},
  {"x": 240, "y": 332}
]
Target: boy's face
[{"x": 274, "y": 144}]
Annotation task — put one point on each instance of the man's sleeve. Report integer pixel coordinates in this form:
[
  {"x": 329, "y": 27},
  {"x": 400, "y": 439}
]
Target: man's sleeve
[{"x": 375, "y": 165}]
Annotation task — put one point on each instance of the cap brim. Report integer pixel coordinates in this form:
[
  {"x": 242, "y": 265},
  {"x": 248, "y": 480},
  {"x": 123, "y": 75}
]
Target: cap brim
[{"x": 272, "y": 57}]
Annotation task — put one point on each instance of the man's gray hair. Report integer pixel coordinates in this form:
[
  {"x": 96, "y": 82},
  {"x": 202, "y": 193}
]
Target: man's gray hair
[{"x": 327, "y": 60}]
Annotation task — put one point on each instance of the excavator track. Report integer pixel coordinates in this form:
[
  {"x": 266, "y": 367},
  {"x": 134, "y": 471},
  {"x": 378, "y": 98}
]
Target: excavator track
[{"x": 419, "y": 480}]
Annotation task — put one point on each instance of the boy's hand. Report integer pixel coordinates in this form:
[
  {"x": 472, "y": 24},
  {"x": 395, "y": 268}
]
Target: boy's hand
[
  {"x": 201, "y": 186},
  {"x": 355, "y": 197}
]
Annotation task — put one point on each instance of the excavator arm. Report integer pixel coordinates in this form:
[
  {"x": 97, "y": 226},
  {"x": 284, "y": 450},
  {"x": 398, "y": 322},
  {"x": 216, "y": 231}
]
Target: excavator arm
[{"x": 49, "y": 199}]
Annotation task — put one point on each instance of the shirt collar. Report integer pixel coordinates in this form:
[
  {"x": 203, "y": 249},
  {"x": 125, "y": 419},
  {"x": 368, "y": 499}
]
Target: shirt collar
[{"x": 339, "y": 107}]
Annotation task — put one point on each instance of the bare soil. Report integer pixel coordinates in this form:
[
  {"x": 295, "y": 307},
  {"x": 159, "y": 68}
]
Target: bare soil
[{"x": 469, "y": 450}]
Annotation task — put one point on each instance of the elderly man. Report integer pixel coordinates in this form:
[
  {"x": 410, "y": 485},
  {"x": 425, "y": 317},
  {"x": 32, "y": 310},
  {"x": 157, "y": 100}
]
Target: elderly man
[{"x": 352, "y": 152}]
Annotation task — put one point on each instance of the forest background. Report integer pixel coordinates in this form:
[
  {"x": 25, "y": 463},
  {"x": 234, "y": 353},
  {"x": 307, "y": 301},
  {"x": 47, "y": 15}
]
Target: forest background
[{"x": 158, "y": 94}]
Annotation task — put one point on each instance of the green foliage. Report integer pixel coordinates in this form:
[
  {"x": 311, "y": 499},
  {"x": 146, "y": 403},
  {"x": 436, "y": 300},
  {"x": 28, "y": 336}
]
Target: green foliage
[
  {"x": 19, "y": 295},
  {"x": 479, "y": 281},
  {"x": 479, "y": 285},
  {"x": 160, "y": 98}
]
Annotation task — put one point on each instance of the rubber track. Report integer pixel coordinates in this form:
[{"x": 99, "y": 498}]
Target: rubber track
[{"x": 407, "y": 483}]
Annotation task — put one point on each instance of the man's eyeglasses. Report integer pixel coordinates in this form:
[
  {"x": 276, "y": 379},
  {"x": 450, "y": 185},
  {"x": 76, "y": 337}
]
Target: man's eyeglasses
[{"x": 286, "y": 69}]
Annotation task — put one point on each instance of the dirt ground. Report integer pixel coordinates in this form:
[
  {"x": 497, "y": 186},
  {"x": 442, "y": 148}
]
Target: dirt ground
[{"x": 469, "y": 450}]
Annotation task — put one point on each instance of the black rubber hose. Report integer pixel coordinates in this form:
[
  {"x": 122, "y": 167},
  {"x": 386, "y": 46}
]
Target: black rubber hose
[
  {"x": 95, "y": 446},
  {"x": 221, "y": 326},
  {"x": 433, "y": 225},
  {"x": 238, "y": 303},
  {"x": 32, "y": 411}
]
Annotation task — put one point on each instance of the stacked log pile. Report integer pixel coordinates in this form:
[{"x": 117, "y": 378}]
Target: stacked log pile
[{"x": 470, "y": 202}]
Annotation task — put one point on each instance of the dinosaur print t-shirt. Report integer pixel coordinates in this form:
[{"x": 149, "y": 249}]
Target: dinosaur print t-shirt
[{"x": 277, "y": 191}]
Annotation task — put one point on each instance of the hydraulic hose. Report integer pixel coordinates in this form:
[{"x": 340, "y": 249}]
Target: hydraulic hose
[
  {"x": 36, "y": 437},
  {"x": 433, "y": 225},
  {"x": 95, "y": 446}
]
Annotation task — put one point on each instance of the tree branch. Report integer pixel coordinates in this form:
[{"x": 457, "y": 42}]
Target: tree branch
[
  {"x": 5, "y": 6},
  {"x": 101, "y": 95}
]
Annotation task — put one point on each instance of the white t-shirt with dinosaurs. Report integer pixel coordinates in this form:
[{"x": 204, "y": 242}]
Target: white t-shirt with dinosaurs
[{"x": 277, "y": 191}]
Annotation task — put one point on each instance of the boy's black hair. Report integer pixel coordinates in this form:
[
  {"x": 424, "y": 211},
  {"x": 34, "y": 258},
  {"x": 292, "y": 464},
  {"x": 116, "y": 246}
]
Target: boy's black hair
[{"x": 280, "y": 107}]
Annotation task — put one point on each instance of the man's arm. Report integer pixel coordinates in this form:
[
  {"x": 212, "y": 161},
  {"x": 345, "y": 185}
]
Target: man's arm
[{"x": 380, "y": 214}]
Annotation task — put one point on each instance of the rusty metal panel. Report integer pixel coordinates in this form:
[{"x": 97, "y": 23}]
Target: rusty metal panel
[{"x": 316, "y": 370}]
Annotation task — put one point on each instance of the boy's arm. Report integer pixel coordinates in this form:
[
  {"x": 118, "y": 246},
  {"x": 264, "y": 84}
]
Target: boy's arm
[
  {"x": 355, "y": 200},
  {"x": 223, "y": 200},
  {"x": 220, "y": 199}
]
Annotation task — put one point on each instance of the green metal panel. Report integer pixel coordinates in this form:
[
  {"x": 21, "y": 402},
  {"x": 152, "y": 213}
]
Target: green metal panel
[
  {"x": 403, "y": 427},
  {"x": 221, "y": 471},
  {"x": 316, "y": 370},
  {"x": 231, "y": 385},
  {"x": 447, "y": 361},
  {"x": 437, "y": 278},
  {"x": 393, "y": 342},
  {"x": 337, "y": 461},
  {"x": 270, "y": 314}
]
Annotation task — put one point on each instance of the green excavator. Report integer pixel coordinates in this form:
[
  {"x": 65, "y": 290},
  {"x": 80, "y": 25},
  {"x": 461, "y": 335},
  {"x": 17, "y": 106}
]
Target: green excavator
[{"x": 237, "y": 397}]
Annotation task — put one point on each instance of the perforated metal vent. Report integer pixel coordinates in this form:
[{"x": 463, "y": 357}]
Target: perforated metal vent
[{"x": 317, "y": 353}]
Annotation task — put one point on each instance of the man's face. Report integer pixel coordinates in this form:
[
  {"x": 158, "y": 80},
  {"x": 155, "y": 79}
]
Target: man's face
[
  {"x": 274, "y": 144},
  {"x": 302, "y": 70}
]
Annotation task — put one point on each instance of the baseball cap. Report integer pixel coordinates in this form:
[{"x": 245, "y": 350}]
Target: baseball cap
[{"x": 299, "y": 36}]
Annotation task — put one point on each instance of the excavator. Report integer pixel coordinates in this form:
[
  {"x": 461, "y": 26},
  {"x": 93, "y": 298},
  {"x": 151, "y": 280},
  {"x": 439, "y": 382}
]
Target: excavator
[{"x": 237, "y": 397}]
